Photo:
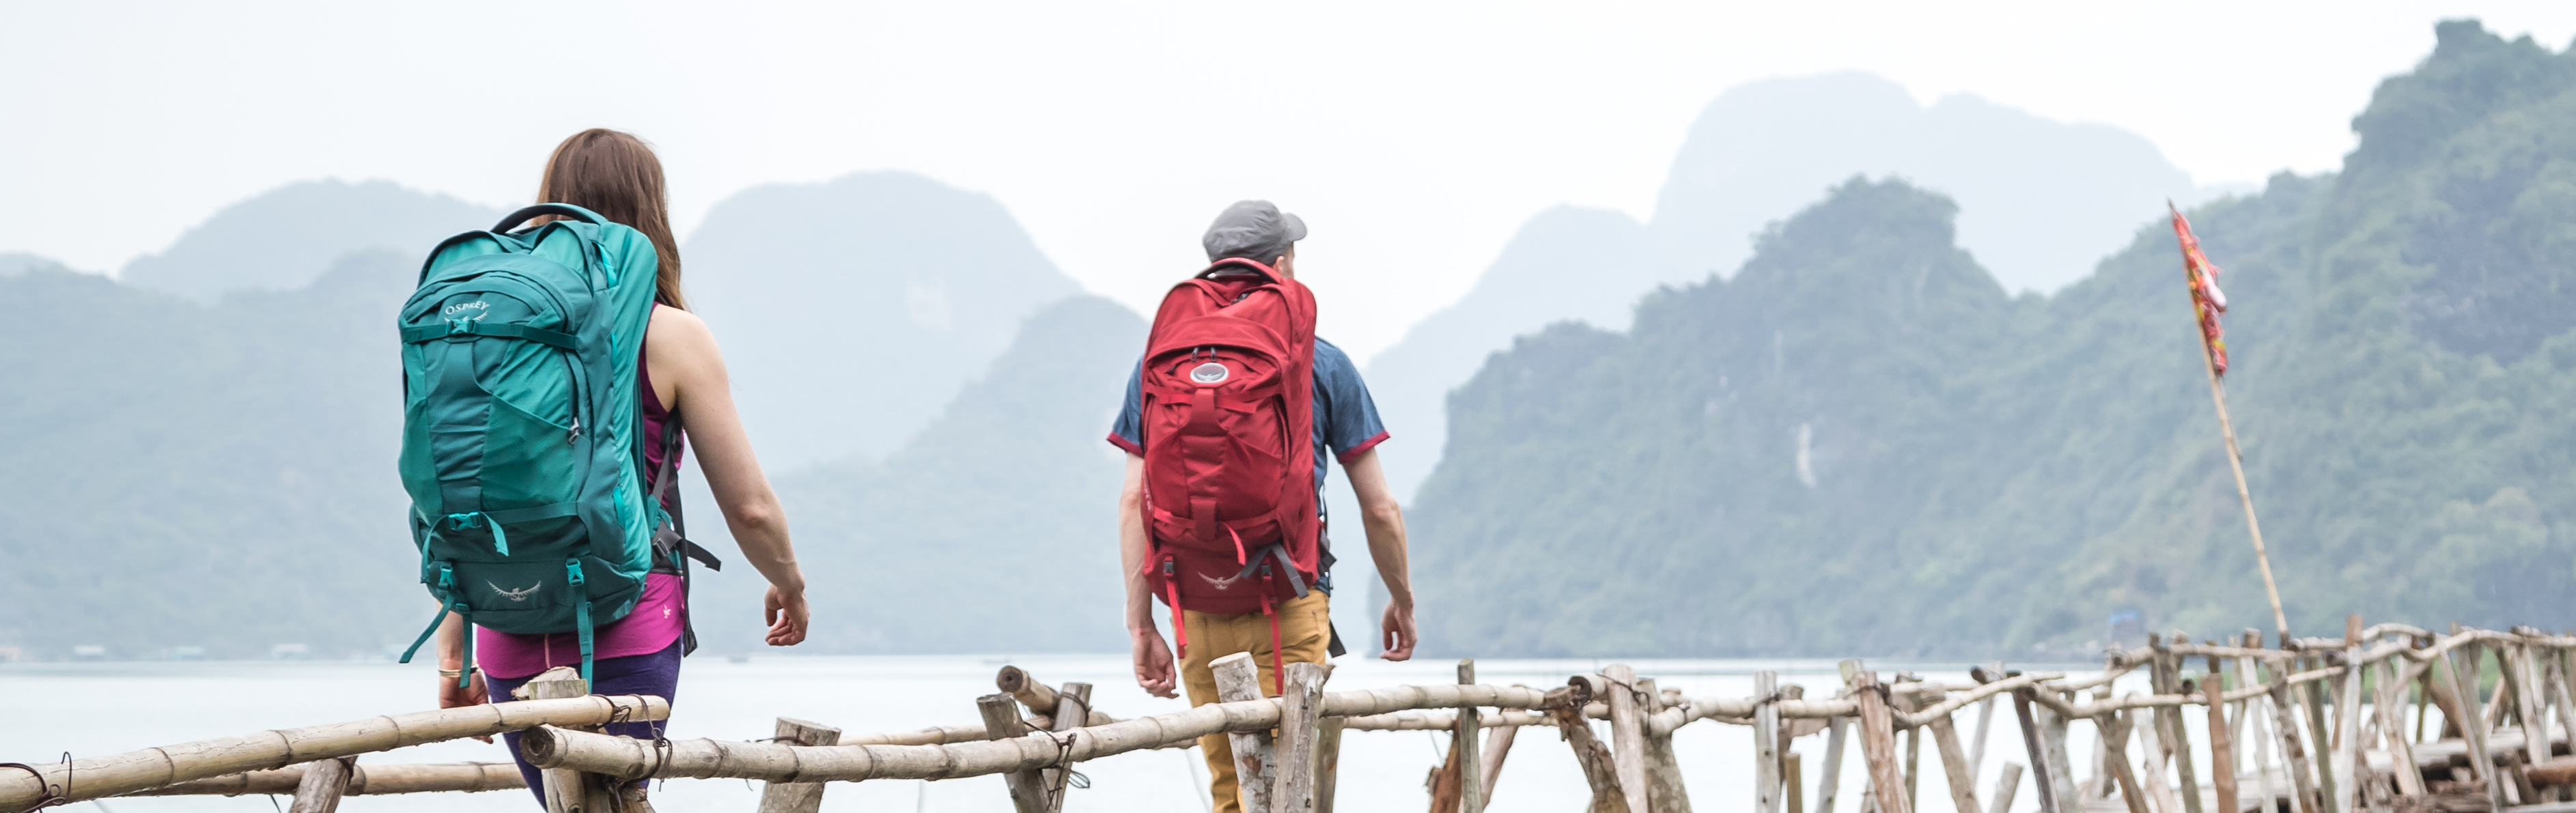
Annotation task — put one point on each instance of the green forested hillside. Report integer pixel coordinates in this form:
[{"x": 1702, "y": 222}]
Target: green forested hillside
[
  {"x": 1859, "y": 443},
  {"x": 1011, "y": 489},
  {"x": 183, "y": 475}
]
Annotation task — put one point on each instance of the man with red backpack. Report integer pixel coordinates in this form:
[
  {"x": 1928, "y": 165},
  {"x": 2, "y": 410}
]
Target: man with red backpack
[{"x": 1226, "y": 427}]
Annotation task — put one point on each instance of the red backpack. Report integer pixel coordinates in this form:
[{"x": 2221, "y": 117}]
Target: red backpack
[{"x": 1228, "y": 393}]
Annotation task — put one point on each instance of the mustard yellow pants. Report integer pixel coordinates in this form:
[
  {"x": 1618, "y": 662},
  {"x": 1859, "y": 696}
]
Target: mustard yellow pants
[{"x": 1305, "y": 631}]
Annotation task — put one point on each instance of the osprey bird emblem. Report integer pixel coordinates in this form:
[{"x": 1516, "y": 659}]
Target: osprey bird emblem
[
  {"x": 520, "y": 594},
  {"x": 1226, "y": 583}
]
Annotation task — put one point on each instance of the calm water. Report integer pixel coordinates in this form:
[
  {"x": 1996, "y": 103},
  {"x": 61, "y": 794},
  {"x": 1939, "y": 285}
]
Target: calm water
[{"x": 91, "y": 709}]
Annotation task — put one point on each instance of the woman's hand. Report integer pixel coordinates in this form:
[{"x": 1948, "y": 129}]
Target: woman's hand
[
  {"x": 785, "y": 611},
  {"x": 472, "y": 693}
]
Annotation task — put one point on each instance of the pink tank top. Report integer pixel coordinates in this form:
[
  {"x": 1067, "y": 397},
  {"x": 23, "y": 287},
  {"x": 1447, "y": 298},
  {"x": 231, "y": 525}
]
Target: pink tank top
[{"x": 659, "y": 614}]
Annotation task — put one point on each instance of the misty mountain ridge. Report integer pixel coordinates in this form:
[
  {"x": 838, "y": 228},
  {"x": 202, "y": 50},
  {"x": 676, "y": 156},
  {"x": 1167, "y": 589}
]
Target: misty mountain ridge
[
  {"x": 852, "y": 310},
  {"x": 2040, "y": 203},
  {"x": 1862, "y": 414},
  {"x": 286, "y": 237},
  {"x": 13, "y": 263},
  {"x": 236, "y": 481},
  {"x": 1012, "y": 477}
]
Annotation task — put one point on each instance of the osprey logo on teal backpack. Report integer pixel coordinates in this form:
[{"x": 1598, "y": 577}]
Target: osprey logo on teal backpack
[{"x": 521, "y": 445}]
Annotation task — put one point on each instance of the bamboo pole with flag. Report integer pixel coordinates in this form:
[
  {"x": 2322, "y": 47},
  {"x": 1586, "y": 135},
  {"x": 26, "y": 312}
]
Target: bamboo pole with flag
[{"x": 2207, "y": 302}]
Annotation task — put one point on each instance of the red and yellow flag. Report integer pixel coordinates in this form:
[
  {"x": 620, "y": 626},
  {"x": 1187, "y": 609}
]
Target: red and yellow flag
[{"x": 2206, "y": 299}]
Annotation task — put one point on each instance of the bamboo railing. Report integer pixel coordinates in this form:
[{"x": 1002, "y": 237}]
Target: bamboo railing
[{"x": 2317, "y": 726}]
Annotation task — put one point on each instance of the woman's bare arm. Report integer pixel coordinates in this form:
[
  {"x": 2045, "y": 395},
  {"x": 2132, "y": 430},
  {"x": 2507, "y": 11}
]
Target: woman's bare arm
[{"x": 689, "y": 376}]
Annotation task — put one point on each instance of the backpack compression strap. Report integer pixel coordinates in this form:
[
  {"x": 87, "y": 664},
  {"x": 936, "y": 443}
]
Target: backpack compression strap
[{"x": 671, "y": 540}]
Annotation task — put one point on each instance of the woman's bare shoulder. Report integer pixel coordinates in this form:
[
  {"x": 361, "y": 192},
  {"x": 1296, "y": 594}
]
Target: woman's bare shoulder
[{"x": 674, "y": 324}]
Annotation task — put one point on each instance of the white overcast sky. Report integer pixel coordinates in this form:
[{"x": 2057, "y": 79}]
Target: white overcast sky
[{"x": 1413, "y": 137}]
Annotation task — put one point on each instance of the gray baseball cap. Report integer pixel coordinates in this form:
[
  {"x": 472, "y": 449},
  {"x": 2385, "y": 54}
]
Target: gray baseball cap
[{"x": 1252, "y": 229}]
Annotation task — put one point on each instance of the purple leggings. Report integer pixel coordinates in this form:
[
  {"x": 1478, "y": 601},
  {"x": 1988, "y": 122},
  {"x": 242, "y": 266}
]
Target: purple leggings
[{"x": 657, "y": 674}]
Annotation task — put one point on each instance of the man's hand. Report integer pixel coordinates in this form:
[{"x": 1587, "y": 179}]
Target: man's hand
[
  {"x": 472, "y": 693},
  {"x": 785, "y": 611},
  {"x": 1153, "y": 663},
  {"x": 1395, "y": 632}
]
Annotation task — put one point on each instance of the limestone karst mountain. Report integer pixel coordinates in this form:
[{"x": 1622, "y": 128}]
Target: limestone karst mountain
[
  {"x": 1862, "y": 411},
  {"x": 852, "y": 310},
  {"x": 2040, "y": 202},
  {"x": 286, "y": 237}
]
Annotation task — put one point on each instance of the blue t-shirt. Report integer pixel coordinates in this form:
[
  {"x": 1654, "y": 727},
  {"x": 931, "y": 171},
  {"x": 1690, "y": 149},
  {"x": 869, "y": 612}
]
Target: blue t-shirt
[{"x": 1346, "y": 421}]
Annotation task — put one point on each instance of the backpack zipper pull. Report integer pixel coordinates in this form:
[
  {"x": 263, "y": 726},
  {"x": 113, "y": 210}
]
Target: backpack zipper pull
[{"x": 575, "y": 435}]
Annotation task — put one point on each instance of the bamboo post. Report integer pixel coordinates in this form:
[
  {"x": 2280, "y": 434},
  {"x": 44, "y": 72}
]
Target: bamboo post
[
  {"x": 568, "y": 791},
  {"x": 1977, "y": 744},
  {"x": 2006, "y": 782},
  {"x": 1239, "y": 679},
  {"x": 1072, "y": 708},
  {"x": 1600, "y": 768},
  {"x": 2392, "y": 718},
  {"x": 2222, "y": 747},
  {"x": 2052, "y": 744},
  {"x": 1766, "y": 743},
  {"x": 1443, "y": 780},
  {"x": 2172, "y": 737},
  {"x": 2260, "y": 742},
  {"x": 798, "y": 797},
  {"x": 2294, "y": 759},
  {"x": 1298, "y": 721},
  {"x": 1664, "y": 790},
  {"x": 2102, "y": 785},
  {"x": 1954, "y": 760},
  {"x": 1001, "y": 713},
  {"x": 2473, "y": 729},
  {"x": 2192, "y": 272},
  {"x": 2553, "y": 698},
  {"x": 1829, "y": 780},
  {"x": 2154, "y": 776},
  {"x": 2348, "y": 710},
  {"x": 2535, "y": 719},
  {"x": 2048, "y": 801},
  {"x": 1328, "y": 760},
  {"x": 1498, "y": 744},
  {"x": 2115, "y": 744},
  {"x": 2556, "y": 680},
  {"x": 1913, "y": 764},
  {"x": 1878, "y": 743},
  {"x": 323, "y": 783},
  {"x": 2565, "y": 660},
  {"x": 1471, "y": 766},
  {"x": 1913, "y": 744},
  {"x": 1791, "y": 783},
  {"x": 1628, "y": 734},
  {"x": 2322, "y": 735}
]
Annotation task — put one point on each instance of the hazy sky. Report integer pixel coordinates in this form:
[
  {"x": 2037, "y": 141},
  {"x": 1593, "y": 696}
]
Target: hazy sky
[{"x": 1413, "y": 137}]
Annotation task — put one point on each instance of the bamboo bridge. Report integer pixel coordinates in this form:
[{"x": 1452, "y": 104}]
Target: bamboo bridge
[{"x": 2318, "y": 725}]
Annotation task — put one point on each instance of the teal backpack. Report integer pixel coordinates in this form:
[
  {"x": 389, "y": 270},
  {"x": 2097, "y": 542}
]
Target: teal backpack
[{"x": 522, "y": 449}]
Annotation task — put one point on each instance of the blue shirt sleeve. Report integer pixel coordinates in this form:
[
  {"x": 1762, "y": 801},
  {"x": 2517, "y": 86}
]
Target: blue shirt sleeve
[
  {"x": 1345, "y": 416},
  {"x": 1128, "y": 431}
]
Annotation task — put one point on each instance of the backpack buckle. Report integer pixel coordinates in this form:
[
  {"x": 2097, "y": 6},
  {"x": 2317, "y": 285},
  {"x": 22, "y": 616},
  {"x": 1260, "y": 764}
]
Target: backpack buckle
[{"x": 460, "y": 327}]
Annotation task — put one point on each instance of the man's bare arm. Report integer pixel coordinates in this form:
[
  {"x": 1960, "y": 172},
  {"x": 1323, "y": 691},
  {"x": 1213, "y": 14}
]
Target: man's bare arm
[
  {"x": 1152, "y": 658},
  {"x": 1383, "y": 519}
]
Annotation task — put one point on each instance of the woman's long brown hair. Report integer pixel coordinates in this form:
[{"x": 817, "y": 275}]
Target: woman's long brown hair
[{"x": 617, "y": 175}]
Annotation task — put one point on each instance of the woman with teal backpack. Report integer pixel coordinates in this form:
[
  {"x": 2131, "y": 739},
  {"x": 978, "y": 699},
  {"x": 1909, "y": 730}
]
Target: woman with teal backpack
[{"x": 615, "y": 177}]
